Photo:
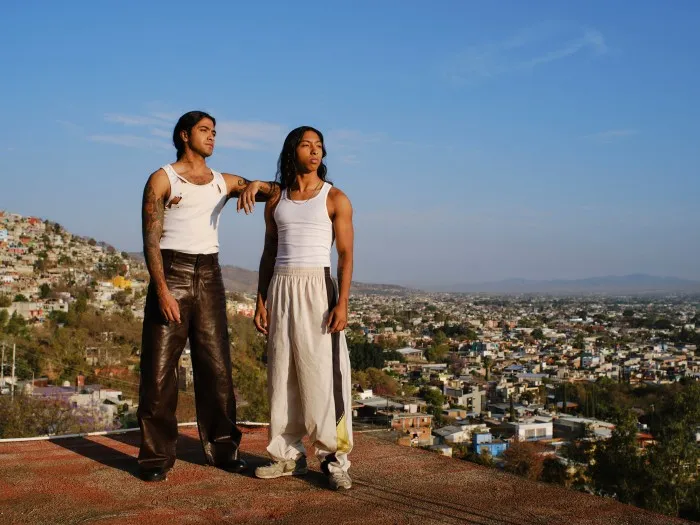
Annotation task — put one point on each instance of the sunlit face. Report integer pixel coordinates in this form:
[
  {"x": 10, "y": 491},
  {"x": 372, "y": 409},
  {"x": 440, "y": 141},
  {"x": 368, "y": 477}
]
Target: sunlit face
[
  {"x": 309, "y": 152},
  {"x": 202, "y": 137}
]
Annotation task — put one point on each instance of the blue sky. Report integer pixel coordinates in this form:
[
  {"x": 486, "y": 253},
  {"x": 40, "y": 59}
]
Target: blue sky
[{"x": 477, "y": 140}]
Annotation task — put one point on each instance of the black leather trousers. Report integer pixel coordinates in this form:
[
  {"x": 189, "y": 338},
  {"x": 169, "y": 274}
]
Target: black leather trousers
[{"x": 195, "y": 282}]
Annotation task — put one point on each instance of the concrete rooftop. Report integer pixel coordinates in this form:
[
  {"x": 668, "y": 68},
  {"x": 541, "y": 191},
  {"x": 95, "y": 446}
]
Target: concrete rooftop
[{"x": 93, "y": 480}]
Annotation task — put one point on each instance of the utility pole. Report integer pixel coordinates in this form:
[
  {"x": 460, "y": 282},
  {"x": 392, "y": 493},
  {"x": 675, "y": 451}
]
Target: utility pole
[
  {"x": 14, "y": 350},
  {"x": 2, "y": 370}
]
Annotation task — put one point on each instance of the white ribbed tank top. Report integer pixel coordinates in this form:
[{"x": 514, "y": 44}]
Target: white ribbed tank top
[
  {"x": 191, "y": 223},
  {"x": 304, "y": 231}
]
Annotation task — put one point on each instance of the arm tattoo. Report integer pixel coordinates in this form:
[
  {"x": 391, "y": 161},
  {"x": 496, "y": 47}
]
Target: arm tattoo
[
  {"x": 152, "y": 229},
  {"x": 267, "y": 191},
  {"x": 243, "y": 182}
]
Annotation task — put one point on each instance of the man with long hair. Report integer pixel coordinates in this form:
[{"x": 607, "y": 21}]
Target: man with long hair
[
  {"x": 186, "y": 299},
  {"x": 304, "y": 312}
]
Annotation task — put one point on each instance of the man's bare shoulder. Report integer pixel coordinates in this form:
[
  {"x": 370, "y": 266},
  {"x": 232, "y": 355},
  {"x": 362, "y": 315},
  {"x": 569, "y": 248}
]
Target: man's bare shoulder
[
  {"x": 338, "y": 196},
  {"x": 159, "y": 182},
  {"x": 272, "y": 202},
  {"x": 158, "y": 174}
]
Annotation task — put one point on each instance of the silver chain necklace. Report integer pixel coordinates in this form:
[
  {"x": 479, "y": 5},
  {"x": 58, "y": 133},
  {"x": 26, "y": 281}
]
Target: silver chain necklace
[{"x": 301, "y": 203}]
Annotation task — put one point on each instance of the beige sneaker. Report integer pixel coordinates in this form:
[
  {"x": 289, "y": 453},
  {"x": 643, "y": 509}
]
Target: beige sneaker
[
  {"x": 339, "y": 480},
  {"x": 276, "y": 469}
]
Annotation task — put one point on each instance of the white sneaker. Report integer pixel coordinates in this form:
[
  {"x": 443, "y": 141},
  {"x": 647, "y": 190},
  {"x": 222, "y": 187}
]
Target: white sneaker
[
  {"x": 276, "y": 469},
  {"x": 339, "y": 480}
]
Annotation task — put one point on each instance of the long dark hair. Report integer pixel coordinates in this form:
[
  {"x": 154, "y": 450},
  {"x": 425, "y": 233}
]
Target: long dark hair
[
  {"x": 186, "y": 123},
  {"x": 287, "y": 162}
]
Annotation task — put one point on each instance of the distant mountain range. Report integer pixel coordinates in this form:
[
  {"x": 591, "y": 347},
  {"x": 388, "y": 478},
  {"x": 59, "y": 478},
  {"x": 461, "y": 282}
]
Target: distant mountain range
[
  {"x": 625, "y": 284},
  {"x": 238, "y": 279}
]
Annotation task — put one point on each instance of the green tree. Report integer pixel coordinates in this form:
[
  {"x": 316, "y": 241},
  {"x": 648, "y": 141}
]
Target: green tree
[
  {"x": 19, "y": 298},
  {"x": 80, "y": 305},
  {"x": 44, "y": 291},
  {"x": 16, "y": 325},
  {"x": 365, "y": 355},
  {"x": 435, "y": 400},
  {"x": 618, "y": 470},
  {"x": 673, "y": 460},
  {"x": 663, "y": 324},
  {"x": 538, "y": 334},
  {"x": 437, "y": 353},
  {"x": 487, "y": 365},
  {"x": 5, "y": 301},
  {"x": 432, "y": 396},
  {"x": 554, "y": 471}
]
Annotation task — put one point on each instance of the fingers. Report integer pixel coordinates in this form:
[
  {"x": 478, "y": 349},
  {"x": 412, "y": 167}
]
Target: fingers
[
  {"x": 339, "y": 326},
  {"x": 246, "y": 202},
  {"x": 249, "y": 203},
  {"x": 171, "y": 310},
  {"x": 176, "y": 311},
  {"x": 261, "y": 323},
  {"x": 336, "y": 323},
  {"x": 169, "y": 315}
]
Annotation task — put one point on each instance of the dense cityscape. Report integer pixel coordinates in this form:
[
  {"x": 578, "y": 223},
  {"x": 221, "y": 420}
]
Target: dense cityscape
[{"x": 597, "y": 393}]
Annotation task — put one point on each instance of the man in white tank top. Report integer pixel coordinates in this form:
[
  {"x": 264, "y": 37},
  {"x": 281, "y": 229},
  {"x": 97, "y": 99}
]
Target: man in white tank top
[
  {"x": 304, "y": 312},
  {"x": 186, "y": 300}
]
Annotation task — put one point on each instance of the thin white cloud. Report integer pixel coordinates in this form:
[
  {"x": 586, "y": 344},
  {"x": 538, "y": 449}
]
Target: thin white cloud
[
  {"x": 158, "y": 132},
  {"x": 231, "y": 134},
  {"x": 349, "y": 159},
  {"x": 134, "y": 120},
  {"x": 70, "y": 126},
  {"x": 351, "y": 137},
  {"x": 590, "y": 40},
  {"x": 612, "y": 135},
  {"x": 526, "y": 50},
  {"x": 350, "y": 143},
  {"x": 130, "y": 141},
  {"x": 249, "y": 135},
  {"x": 168, "y": 117}
]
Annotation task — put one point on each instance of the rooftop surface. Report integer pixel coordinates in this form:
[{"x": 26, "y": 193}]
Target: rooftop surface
[{"x": 93, "y": 480}]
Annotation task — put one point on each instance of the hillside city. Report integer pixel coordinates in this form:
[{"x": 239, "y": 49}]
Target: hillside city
[{"x": 587, "y": 392}]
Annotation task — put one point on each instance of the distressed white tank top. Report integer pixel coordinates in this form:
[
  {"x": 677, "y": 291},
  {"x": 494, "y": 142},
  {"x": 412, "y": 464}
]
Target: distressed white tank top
[
  {"x": 191, "y": 223},
  {"x": 304, "y": 231}
]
